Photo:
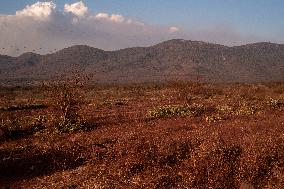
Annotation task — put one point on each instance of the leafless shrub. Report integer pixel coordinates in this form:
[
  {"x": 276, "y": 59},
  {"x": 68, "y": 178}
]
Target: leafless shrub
[{"x": 67, "y": 99}]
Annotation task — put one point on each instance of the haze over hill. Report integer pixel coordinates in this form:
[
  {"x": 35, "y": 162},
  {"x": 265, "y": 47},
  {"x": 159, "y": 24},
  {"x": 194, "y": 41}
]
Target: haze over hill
[
  {"x": 47, "y": 26},
  {"x": 171, "y": 60}
]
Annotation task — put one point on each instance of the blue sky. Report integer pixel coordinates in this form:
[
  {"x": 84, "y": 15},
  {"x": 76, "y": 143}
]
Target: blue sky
[
  {"x": 115, "y": 24},
  {"x": 261, "y": 17}
]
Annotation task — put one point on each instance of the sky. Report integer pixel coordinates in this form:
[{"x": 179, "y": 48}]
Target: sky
[{"x": 115, "y": 24}]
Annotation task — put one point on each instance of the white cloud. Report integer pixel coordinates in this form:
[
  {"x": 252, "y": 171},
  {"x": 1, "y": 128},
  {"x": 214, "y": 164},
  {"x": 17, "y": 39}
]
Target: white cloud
[
  {"x": 117, "y": 18},
  {"x": 173, "y": 29},
  {"x": 78, "y": 9},
  {"x": 105, "y": 31},
  {"x": 28, "y": 31},
  {"x": 39, "y": 10},
  {"x": 102, "y": 16}
]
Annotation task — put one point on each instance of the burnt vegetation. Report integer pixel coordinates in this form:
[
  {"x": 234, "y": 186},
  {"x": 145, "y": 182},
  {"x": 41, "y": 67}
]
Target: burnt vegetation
[{"x": 167, "y": 135}]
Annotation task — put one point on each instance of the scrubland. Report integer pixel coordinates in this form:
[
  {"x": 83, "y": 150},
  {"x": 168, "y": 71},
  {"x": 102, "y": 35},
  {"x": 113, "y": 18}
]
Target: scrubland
[{"x": 167, "y": 135}]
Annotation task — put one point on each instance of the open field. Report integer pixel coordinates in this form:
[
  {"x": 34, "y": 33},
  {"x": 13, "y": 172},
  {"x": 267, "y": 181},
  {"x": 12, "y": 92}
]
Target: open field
[{"x": 174, "y": 135}]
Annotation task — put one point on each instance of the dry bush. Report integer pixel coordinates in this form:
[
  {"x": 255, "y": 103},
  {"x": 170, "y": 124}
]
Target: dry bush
[
  {"x": 67, "y": 99},
  {"x": 155, "y": 161},
  {"x": 13, "y": 126},
  {"x": 207, "y": 91},
  {"x": 245, "y": 150}
]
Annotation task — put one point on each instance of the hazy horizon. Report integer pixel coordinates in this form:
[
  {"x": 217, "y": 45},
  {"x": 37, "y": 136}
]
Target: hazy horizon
[{"x": 45, "y": 27}]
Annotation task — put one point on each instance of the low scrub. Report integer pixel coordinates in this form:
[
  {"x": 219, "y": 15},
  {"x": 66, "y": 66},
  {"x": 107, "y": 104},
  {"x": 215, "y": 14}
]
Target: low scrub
[
  {"x": 38, "y": 124},
  {"x": 15, "y": 128},
  {"x": 23, "y": 107},
  {"x": 177, "y": 110},
  {"x": 274, "y": 103},
  {"x": 214, "y": 118},
  {"x": 70, "y": 125},
  {"x": 67, "y": 99},
  {"x": 243, "y": 109}
]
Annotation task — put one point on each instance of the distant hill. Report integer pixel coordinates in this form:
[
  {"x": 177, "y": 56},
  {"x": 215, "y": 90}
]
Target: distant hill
[{"x": 171, "y": 60}]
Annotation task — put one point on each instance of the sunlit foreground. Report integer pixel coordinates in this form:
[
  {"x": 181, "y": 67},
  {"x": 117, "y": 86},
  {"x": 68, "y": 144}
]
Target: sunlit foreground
[{"x": 174, "y": 135}]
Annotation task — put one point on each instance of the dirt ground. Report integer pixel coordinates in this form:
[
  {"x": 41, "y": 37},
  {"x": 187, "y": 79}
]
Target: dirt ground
[{"x": 174, "y": 135}]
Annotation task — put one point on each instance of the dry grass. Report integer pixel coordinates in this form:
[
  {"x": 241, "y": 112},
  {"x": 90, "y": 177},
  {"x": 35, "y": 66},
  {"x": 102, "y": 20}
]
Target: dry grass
[{"x": 235, "y": 139}]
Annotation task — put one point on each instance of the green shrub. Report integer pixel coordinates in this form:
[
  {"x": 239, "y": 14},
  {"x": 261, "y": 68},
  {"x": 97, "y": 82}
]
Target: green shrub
[
  {"x": 225, "y": 109},
  {"x": 69, "y": 125},
  {"x": 245, "y": 110},
  {"x": 169, "y": 110},
  {"x": 214, "y": 118},
  {"x": 274, "y": 103},
  {"x": 38, "y": 123},
  {"x": 242, "y": 109},
  {"x": 176, "y": 110}
]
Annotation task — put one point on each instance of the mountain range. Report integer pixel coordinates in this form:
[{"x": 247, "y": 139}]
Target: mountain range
[{"x": 170, "y": 60}]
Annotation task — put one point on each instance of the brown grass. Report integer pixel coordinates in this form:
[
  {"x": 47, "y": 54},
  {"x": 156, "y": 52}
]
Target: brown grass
[{"x": 124, "y": 147}]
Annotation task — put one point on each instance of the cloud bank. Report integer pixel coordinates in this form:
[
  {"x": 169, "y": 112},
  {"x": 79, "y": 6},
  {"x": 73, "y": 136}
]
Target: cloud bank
[
  {"x": 78, "y": 9},
  {"x": 38, "y": 11},
  {"x": 44, "y": 28}
]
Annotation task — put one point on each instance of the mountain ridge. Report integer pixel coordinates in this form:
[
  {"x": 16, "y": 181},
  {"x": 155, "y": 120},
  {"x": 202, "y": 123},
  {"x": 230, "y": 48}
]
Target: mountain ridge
[
  {"x": 175, "y": 59},
  {"x": 137, "y": 47}
]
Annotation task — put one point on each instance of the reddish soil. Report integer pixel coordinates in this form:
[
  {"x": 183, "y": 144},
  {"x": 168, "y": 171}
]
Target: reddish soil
[{"x": 124, "y": 147}]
